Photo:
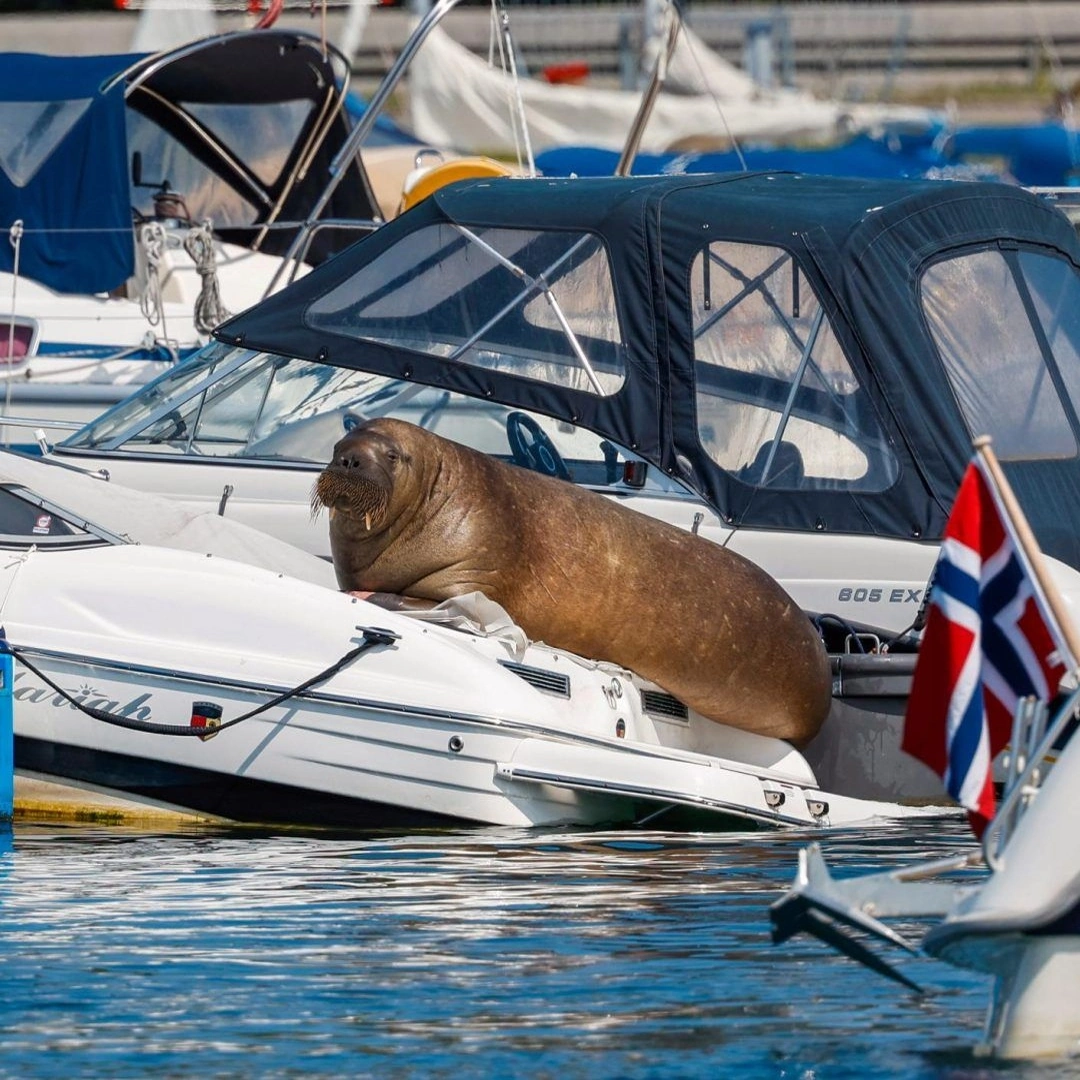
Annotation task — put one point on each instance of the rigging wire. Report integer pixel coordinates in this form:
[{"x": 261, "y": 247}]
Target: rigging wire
[
  {"x": 519, "y": 124},
  {"x": 695, "y": 57}
]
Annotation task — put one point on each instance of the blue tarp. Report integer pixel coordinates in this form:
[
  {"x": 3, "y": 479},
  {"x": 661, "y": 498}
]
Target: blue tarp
[
  {"x": 1036, "y": 155},
  {"x": 64, "y": 170},
  {"x": 863, "y": 156}
]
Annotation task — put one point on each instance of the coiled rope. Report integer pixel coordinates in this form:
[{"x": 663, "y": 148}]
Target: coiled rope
[
  {"x": 209, "y": 310},
  {"x": 152, "y": 239}
]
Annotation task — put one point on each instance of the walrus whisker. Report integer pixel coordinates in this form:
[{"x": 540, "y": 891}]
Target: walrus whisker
[
  {"x": 355, "y": 496},
  {"x": 371, "y": 507}
]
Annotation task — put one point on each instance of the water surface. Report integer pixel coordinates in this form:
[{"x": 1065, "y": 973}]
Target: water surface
[{"x": 489, "y": 952}]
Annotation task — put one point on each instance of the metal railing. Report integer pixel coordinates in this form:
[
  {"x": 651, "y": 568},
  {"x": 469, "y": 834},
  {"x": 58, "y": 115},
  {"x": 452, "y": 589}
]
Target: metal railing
[{"x": 1031, "y": 756}]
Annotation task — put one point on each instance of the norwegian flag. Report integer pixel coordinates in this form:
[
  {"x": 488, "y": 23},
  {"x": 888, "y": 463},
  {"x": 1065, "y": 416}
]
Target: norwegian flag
[{"x": 991, "y": 639}]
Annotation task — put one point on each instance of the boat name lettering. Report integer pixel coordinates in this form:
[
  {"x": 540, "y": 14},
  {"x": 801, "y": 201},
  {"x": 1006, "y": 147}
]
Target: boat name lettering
[
  {"x": 879, "y": 595},
  {"x": 88, "y": 696}
]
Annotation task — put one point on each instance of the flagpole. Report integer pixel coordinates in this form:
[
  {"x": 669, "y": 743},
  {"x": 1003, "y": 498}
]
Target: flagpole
[{"x": 1026, "y": 538}]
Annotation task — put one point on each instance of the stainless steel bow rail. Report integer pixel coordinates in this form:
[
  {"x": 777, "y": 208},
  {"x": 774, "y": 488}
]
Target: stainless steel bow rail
[{"x": 372, "y": 636}]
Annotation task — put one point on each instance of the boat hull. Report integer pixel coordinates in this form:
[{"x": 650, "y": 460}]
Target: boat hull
[
  {"x": 858, "y": 748},
  {"x": 122, "y": 650}
]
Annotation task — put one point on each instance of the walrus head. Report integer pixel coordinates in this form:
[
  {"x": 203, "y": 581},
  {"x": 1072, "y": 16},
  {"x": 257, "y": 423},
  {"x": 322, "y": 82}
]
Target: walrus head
[{"x": 359, "y": 480}]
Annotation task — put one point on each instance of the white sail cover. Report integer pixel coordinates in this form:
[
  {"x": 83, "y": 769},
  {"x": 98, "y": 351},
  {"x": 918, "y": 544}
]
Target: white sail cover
[{"x": 457, "y": 100}]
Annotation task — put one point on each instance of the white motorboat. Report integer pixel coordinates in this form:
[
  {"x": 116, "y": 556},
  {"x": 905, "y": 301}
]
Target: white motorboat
[
  {"x": 789, "y": 365},
  {"x": 145, "y": 197},
  {"x": 168, "y": 671}
]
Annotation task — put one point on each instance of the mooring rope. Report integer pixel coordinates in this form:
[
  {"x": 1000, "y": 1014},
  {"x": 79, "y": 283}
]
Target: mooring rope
[
  {"x": 15, "y": 235},
  {"x": 152, "y": 238}
]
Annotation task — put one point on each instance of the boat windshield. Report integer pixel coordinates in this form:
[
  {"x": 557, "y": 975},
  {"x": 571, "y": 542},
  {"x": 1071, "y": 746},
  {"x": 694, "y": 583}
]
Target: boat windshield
[{"x": 229, "y": 402}]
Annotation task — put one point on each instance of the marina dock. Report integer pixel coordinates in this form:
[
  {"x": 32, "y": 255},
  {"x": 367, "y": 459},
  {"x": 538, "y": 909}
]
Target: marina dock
[{"x": 42, "y": 801}]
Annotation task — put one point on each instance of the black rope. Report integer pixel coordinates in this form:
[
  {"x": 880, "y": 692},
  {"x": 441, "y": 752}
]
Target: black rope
[
  {"x": 372, "y": 636},
  {"x": 819, "y": 622}
]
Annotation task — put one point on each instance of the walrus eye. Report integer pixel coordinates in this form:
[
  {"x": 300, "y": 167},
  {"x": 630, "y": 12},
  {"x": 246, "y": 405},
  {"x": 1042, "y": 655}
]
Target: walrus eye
[{"x": 391, "y": 455}]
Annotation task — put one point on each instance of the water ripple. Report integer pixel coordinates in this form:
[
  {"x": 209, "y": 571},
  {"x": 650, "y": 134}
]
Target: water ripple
[{"x": 490, "y": 952}]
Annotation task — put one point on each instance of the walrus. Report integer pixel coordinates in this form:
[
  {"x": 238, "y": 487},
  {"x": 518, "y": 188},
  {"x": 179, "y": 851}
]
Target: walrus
[{"x": 416, "y": 515}]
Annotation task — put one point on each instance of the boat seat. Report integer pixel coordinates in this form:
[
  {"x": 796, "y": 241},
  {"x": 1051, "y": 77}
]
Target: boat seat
[{"x": 785, "y": 473}]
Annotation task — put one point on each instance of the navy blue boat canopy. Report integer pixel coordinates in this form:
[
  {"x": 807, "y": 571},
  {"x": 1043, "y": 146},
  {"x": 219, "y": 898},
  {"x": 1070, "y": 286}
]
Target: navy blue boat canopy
[
  {"x": 64, "y": 170},
  {"x": 806, "y": 353},
  {"x": 86, "y": 142}
]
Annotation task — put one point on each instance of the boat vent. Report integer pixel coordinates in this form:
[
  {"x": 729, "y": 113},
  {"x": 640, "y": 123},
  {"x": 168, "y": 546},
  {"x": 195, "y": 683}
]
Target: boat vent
[
  {"x": 550, "y": 681},
  {"x": 660, "y": 704}
]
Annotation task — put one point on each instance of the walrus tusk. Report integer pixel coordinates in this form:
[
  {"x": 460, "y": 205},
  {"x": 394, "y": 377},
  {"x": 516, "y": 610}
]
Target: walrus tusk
[{"x": 367, "y": 522}]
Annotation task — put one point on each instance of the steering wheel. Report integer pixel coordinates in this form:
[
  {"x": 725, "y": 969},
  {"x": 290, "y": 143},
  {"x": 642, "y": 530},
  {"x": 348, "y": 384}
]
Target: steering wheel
[
  {"x": 179, "y": 429},
  {"x": 531, "y": 448}
]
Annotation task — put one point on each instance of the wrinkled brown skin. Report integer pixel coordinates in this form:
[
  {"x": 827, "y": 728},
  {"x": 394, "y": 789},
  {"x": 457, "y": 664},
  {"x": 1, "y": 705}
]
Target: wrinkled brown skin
[{"x": 577, "y": 571}]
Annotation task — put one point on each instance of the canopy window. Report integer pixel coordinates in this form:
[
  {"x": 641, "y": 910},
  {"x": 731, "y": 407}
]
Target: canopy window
[
  {"x": 535, "y": 304},
  {"x": 778, "y": 405},
  {"x": 992, "y": 353},
  {"x": 1055, "y": 293},
  {"x": 31, "y": 133}
]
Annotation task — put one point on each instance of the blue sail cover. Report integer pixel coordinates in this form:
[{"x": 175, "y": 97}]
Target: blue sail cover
[
  {"x": 1035, "y": 155},
  {"x": 64, "y": 170},
  {"x": 899, "y": 157}
]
